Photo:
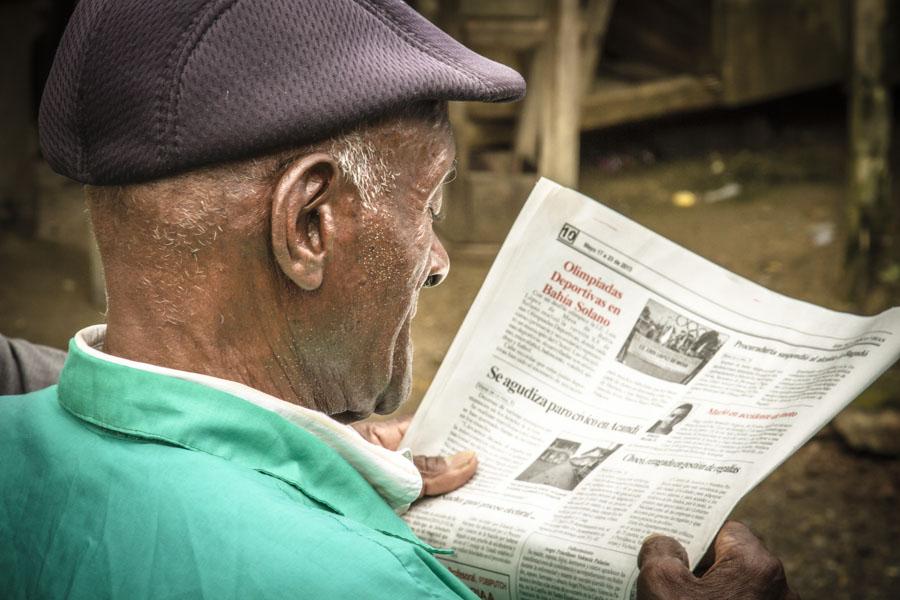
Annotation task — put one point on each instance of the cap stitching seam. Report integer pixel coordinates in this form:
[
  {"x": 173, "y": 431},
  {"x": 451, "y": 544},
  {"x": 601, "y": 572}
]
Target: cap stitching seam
[
  {"x": 424, "y": 46},
  {"x": 93, "y": 27},
  {"x": 174, "y": 73},
  {"x": 163, "y": 115},
  {"x": 176, "y": 107}
]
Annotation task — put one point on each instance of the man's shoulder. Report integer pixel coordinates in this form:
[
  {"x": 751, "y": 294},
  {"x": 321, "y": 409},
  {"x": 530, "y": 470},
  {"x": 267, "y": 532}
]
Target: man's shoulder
[
  {"x": 189, "y": 522},
  {"x": 275, "y": 543},
  {"x": 331, "y": 556},
  {"x": 281, "y": 540},
  {"x": 21, "y": 413}
]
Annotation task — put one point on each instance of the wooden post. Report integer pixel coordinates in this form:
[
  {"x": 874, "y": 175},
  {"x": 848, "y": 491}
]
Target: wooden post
[
  {"x": 596, "y": 17},
  {"x": 870, "y": 214},
  {"x": 525, "y": 141},
  {"x": 457, "y": 226},
  {"x": 560, "y": 96}
]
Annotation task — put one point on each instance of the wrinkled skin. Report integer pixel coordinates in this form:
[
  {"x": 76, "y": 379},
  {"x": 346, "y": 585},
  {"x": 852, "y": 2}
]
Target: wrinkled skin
[
  {"x": 738, "y": 567},
  {"x": 300, "y": 290},
  {"x": 381, "y": 262}
]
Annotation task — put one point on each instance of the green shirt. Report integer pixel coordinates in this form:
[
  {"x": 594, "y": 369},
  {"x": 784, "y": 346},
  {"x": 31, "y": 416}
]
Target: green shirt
[{"x": 124, "y": 483}]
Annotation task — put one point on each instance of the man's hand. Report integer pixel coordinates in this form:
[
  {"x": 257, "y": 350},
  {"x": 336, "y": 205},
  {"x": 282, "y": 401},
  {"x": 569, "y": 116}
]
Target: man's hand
[
  {"x": 741, "y": 569},
  {"x": 439, "y": 474}
]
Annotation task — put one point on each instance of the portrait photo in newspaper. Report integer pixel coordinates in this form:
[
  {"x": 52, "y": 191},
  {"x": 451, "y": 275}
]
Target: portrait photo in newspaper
[
  {"x": 665, "y": 425},
  {"x": 669, "y": 345},
  {"x": 559, "y": 465}
]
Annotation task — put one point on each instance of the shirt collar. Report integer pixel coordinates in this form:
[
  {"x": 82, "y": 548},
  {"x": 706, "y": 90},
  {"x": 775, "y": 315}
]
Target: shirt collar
[{"x": 329, "y": 462}]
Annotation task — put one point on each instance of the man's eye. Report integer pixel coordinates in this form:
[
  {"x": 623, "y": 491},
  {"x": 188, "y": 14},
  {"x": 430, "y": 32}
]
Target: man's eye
[{"x": 451, "y": 176}]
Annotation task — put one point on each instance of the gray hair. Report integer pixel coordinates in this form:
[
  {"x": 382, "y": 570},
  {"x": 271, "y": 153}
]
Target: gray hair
[
  {"x": 370, "y": 169},
  {"x": 363, "y": 165}
]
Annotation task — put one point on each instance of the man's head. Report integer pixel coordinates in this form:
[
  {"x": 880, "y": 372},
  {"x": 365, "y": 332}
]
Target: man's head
[
  {"x": 304, "y": 266},
  {"x": 264, "y": 176}
]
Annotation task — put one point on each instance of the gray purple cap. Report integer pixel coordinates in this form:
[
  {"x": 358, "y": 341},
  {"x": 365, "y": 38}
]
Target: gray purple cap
[{"x": 142, "y": 89}]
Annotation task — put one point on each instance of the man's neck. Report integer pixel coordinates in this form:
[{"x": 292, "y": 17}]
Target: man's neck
[{"x": 206, "y": 344}]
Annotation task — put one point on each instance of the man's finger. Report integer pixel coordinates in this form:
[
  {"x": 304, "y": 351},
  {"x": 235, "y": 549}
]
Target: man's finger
[
  {"x": 664, "y": 570},
  {"x": 740, "y": 555},
  {"x": 387, "y": 434},
  {"x": 657, "y": 547},
  {"x": 441, "y": 475},
  {"x": 390, "y": 433},
  {"x": 734, "y": 539}
]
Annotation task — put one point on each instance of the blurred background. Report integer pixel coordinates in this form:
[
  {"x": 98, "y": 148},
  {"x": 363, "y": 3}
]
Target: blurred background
[{"x": 757, "y": 133}]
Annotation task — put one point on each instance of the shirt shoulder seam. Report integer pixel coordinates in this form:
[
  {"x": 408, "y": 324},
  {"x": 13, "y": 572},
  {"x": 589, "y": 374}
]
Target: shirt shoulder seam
[{"x": 389, "y": 550}]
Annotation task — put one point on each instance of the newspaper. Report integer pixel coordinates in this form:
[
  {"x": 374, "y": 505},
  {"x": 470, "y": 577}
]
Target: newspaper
[{"x": 616, "y": 385}]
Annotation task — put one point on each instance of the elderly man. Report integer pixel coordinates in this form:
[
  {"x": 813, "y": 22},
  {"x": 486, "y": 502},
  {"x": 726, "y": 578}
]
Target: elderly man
[{"x": 262, "y": 180}]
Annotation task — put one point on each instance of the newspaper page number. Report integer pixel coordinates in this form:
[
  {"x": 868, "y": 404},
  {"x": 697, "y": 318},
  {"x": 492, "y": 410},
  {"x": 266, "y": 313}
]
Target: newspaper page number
[{"x": 568, "y": 234}]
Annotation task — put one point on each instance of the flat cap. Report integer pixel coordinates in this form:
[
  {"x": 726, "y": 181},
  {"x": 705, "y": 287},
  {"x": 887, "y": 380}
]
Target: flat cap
[{"x": 141, "y": 89}]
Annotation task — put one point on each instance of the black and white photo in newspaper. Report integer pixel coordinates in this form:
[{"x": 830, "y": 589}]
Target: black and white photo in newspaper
[{"x": 616, "y": 385}]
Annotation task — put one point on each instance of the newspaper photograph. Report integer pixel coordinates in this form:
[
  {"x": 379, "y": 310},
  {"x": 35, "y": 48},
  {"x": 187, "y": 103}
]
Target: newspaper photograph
[{"x": 615, "y": 385}]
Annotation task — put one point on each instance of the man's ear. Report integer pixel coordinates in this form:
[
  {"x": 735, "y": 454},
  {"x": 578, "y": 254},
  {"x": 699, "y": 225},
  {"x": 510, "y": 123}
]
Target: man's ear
[{"x": 302, "y": 220}]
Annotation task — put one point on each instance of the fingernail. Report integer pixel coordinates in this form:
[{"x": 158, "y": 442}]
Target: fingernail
[{"x": 461, "y": 459}]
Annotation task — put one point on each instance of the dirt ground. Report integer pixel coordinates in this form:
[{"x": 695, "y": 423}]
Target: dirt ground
[{"x": 830, "y": 513}]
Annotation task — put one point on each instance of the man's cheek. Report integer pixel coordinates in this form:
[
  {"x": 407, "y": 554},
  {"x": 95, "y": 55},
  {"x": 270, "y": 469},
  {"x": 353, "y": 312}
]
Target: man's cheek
[
  {"x": 400, "y": 383},
  {"x": 415, "y": 304}
]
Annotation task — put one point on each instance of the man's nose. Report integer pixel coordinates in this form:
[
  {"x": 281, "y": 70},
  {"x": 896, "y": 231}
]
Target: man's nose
[{"x": 440, "y": 264}]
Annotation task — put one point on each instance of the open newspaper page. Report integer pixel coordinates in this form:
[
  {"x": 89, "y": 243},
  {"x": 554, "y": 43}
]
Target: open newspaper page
[{"x": 616, "y": 385}]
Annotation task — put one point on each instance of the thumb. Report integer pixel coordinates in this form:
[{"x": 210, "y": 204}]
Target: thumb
[
  {"x": 665, "y": 571},
  {"x": 441, "y": 475},
  {"x": 661, "y": 547}
]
